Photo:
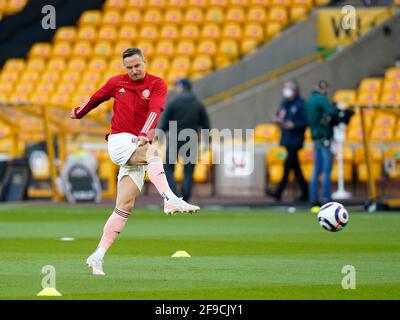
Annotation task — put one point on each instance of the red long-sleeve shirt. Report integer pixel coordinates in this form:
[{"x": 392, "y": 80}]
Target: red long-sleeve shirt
[{"x": 137, "y": 104}]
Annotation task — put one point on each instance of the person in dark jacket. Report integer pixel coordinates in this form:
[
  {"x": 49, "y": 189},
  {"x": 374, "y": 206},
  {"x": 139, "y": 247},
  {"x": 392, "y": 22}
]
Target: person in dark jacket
[
  {"x": 187, "y": 112},
  {"x": 291, "y": 118},
  {"x": 321, "y": 115}
]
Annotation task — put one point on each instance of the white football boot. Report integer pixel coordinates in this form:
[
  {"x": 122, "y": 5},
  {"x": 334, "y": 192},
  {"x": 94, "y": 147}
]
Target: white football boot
[
  {"x": 171, "y": 207},
  {"x": 96, "y": 264}
]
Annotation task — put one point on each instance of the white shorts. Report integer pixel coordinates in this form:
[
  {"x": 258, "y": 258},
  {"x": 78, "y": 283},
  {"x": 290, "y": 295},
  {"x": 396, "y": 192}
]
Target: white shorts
[{"x": 121, "y": 146}]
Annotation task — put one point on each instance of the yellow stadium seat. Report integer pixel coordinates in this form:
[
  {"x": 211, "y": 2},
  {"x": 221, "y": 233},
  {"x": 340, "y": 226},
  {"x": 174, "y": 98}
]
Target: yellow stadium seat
[
  {"x": 219, "y": 3},
  {"x": 306, "y": 3},
  {"x": 376, "y": 159},
  {"x": 346, "y": 97},
  {"x": 193, "y": 15},
  {"x": 211, "y": 31},
  {"x": 178, "y": 3},
  {"x": 29, "y": 76},
  {"x": 91, "y": 76},
  {"x": 266, "y": 133},
  {"x": 90, "y": 17},
  {"x": 278, "y": 15},
  {"x": 391, "y": 85},
  {"x": 127, "y": 33},
  {"x": 169, "y": 32},
  {"x": 173, "y": 16},
  {"x": 40, "y": 49},
  {"x": 97, "y": 64},
  {"x": 215, "y": 14},
  {"x": 382, "y": 134},
  {"x": 198, "y": 3},
  {"x": 62, "y": 49},
  {"x": 201, "y": 64},
  {"x": 108, "y": 33},
  {"x": 70, "y": 76},
  {"x": 153, "y": 16},
  {"x": 147, "y": 48},
  {"x": 354, "y": 134},
  {"x": 24, "y": 88},
  {"x": 382, "y": 119},
  {"x": 228, "y": 50},
  {"x": 66, "y": 87},
  {"x": 160, "y": 64},
  {"x": 207, "y": 47},
  {"x": 307, "y": 135},
  {"x": 82, "y": 49},
  {"x": 10, "y": 76},
  {"x": 87, "y": 33},
  {"x": 18, "y": 98},
  {"x": 8, "y": 86},
  {"x": 14, "y": 64},
  {"x": 260, "y": 3},
  {"x": 370, "y": 85},
  {"x": 347, "y": 166},
  {"x": 306, "y": 159},
  {"x": 393, "y": 73},
  {"x": 186, "y": 48},
  {"x": 36, "y": 64},
  {"x": 103, "y": 49},
  {"x": 111, "y": 18},
  {"x": 275, "y": 158},
  {"x": 273, "y": 29},
  {"x": 181, "y": 63},
  {"x": 120, "y": 46},
  {"x": 38, "y": 98},
  {"x": 116, "y": 64},
  {"x": 257, "y": 14},
  {"x": 139, "y": 4},
  {"x": 366, "y": 98},
  {"x": 391, "y": 99},
  {"x": 49, "y": 77},
  {"x": 201, "y": 173},
  {"x": 165, "y": 48},
  {"x": 240, "y": 3},
  {"x": 56, "y": 64},
  {"x": 190, "y": 32},
  {"x": 232, "y": 31},
  {"x": 14, "y": 6},
  {"x": 76, "y": 64},
  {"x": 115, "y": 4},
  {"x": 148, "y": 32},
  {"x": 254, "y": 31},
  {"x": 45, "y": 87},
  {"x": 298, "y": 13},
  {"x": 65, "y": 34},
  {"x": 159, "y": 4},
  {"x": 174, "y": 75},
  {"x": 281, "y": 3},
  {"x": 86, "y": 87},
  {"x": 132, "y": 17},
  {"x": 235, "y": 14}
]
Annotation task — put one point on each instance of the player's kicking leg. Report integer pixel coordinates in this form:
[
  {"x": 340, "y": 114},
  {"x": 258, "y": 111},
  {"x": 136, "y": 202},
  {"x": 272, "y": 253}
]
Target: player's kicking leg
[
  {"x": 126, "y": 195},
  {"x": 155, "y": 168}
]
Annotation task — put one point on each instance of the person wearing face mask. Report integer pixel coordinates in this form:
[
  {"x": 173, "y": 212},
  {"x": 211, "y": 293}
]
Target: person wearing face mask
[
  {"x": 291, "y": 119},
  {"x": 321, "y": 115}
]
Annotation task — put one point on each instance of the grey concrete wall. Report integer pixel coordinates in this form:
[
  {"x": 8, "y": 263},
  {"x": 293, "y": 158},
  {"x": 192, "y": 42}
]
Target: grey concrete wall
[
  {"x": 370, "y": 56},
  {"x": 294, "y": 43}
]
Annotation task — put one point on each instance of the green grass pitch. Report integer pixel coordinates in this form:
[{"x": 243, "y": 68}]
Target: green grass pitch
[{"x": 235, "y": 254}]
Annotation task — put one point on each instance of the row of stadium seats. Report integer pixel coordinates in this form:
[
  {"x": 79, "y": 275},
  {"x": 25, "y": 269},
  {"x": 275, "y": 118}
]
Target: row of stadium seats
[
  {"x": 354, "y": 162},
  {"x": 203, "y": 4},
  {"x": 8, "y": 7},
  {"x": 197, "y": 16},
  {"x": 374, "y": 91},
  {"x": 381, "y": 128}
]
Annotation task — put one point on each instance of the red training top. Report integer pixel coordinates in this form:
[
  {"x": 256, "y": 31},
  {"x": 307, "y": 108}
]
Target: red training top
[{"x": 137, "y": 105}]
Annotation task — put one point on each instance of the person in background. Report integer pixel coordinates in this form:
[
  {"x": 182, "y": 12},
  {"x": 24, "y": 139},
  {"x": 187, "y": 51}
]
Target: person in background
[
  {"x": 321, "y": 115},
  {"x": 291, "y": 119},
  {"x": 189, "y": 113}
]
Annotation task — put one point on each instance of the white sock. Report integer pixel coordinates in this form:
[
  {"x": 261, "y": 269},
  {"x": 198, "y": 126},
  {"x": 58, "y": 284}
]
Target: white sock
[
  {"x": 169, "y": 196},
  {"x": 100, "y": 252}
]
